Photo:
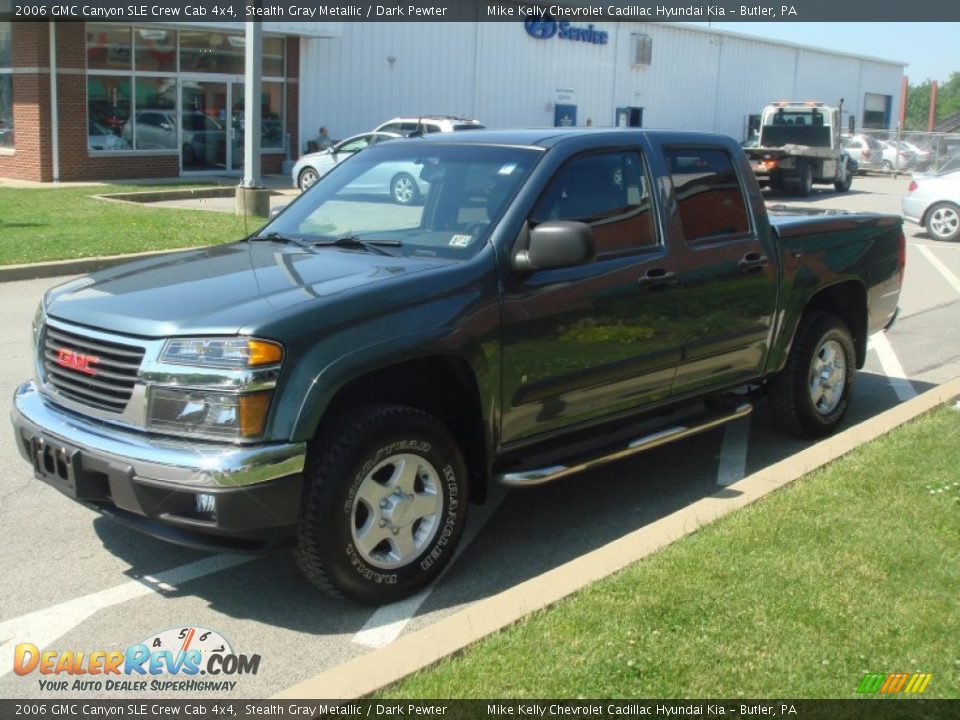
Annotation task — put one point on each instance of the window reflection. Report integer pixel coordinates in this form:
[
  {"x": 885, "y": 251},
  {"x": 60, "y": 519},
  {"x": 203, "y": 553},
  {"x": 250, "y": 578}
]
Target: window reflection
[
  {"x": 108, "y": 112},
  {"x": 156, "y": 118},
  {"x": 156, "y": 50},
  {"x": 108, "y": 47}
]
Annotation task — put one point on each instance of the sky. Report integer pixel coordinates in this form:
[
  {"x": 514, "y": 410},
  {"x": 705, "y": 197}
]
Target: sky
[{"x": 932, "y": 50}]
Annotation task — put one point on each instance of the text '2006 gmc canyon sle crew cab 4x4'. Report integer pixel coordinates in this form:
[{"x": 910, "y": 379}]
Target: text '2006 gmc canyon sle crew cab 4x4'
[{"x": 356, "y": 373}]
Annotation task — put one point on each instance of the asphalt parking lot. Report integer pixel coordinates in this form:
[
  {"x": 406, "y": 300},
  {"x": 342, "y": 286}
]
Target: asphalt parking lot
[{"x": 76, "y": 581}]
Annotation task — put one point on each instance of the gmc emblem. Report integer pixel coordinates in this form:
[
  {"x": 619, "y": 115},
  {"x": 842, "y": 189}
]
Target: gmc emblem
[{"x": 77, "y": 361}]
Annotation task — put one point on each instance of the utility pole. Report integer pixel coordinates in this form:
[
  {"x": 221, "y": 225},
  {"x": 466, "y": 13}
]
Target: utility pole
[{"x": 252, "y": 198}]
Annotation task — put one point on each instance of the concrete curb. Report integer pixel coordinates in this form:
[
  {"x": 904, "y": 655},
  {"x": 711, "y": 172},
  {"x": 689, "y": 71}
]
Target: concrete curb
[
  {"x": 368, "y": 673},
  {"x": 78, "y": 266}
]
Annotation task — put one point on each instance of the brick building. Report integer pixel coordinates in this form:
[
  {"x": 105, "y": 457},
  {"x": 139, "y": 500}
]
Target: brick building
[{"x": 127, "y": 101}]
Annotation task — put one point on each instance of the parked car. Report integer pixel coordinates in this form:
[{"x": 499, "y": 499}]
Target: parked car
[
  {"x": 866, "y": 150},
  {"x": 310, "y": 168},
  {"x": 895, "y": 157},
  {"x": 101, "y": 138},
  {"x": 402, "y": 181},
  {"x": 923, "y": 156},
  {"x": 204, "y": 138},
  {"x": 426, "y": 124},
  {"x": 933, "y": 201},
  {"x": 355, "y": 374}
]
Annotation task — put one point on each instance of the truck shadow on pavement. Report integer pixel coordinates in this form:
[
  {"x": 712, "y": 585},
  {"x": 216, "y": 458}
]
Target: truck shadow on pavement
[{"x": 531, "y": 532}]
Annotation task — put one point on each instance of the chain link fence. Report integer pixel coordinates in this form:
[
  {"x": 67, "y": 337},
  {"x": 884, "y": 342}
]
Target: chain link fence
[{"x": 890, "y": 151}]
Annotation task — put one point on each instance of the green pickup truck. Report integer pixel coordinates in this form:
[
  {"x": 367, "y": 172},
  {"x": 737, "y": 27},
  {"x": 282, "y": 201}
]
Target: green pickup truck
[{"x": 355, "y": 374}]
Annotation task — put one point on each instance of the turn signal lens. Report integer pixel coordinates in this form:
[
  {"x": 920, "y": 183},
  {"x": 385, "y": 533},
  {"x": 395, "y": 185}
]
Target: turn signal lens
[
  {"x": 228, "y": 353},
  {"x": 253, "y": 414}
]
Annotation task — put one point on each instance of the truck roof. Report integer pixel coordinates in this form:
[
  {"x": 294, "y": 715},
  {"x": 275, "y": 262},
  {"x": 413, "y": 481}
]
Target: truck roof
[{"x": 551, "y": 136}]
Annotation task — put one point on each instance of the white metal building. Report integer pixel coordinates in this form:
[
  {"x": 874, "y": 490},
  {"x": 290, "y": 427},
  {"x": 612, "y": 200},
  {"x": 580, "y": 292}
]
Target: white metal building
[{"x": 675, "y": 75}]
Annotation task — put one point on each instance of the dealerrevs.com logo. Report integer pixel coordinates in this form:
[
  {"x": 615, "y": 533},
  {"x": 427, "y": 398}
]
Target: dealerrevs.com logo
[{"x": 169, "y": 661}]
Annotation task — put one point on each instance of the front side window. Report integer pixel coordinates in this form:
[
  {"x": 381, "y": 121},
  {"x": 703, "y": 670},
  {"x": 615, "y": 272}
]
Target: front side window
[
  {"x": 422, "y": 201},
  {"x": 6, "y": 86},
  {"x": 708, "y": 193},
  {"x": 610, "y": 192}
]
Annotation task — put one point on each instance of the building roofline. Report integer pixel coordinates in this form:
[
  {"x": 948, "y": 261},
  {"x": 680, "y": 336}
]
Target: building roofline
[{"x": 770, "y": 41}]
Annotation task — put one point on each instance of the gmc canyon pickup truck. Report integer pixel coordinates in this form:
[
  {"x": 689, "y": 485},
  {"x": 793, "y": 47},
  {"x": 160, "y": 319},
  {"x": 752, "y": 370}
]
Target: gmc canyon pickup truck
[{"x": 358, "y": 371}]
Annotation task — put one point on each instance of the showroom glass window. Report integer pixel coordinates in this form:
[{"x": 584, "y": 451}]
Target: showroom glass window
[
  {"x": 136, "y": 74},
  {"x": 6, "y": 86}
]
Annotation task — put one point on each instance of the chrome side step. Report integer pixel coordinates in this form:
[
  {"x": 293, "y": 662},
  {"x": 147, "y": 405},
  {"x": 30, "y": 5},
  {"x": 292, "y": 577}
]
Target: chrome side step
[{"x": 696, "y": 424}]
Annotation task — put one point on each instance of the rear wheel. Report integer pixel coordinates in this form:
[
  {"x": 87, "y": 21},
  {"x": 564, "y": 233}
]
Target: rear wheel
[
  {"x": 844, "y": 184},
  {"x": 809, "y": 397},
  {"x": 943, "y": 221},
  {"x": 804, "y": 182},
  {"x": 384, "y": 504},
  {"x": 403, "y": 189}
]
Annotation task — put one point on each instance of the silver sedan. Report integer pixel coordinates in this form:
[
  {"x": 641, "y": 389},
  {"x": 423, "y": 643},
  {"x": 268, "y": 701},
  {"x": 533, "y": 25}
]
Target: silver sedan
[
  {"x": 933, "y": 201},
  {"x": 310, "y": 168}
]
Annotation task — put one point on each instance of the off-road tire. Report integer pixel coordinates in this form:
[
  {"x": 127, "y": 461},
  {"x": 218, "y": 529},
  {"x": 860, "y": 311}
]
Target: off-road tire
[
  {"x": 790, "y": 393},
  {"x": 341, "y": 460}
]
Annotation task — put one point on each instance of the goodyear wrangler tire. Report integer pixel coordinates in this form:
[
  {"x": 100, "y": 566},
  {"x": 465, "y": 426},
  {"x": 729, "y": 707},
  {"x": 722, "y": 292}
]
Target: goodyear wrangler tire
[
  {"x": 810, "y": 396},
  {"x": 385, "y": 502}
]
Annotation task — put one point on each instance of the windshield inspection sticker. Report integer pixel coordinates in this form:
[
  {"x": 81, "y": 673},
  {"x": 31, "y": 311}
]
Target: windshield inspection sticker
[{"x": 460, "y": 240}]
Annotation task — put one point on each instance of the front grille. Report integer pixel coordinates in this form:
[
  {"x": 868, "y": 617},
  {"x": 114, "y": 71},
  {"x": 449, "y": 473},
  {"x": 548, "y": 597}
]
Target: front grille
[{"x": 111, "y": 368}]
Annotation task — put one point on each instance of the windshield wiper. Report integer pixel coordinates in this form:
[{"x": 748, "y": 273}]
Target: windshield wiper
[
  {"x": 352, "y": 241},
  {"x": 274, "y": 236}
]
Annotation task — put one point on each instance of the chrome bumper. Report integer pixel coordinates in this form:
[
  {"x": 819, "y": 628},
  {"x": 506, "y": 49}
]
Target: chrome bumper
[{"x": 191, "y": 464}]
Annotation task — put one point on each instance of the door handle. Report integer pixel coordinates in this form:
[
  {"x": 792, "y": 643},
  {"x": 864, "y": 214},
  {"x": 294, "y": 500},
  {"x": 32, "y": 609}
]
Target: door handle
[
  {"x": 753, "y": 261},
  {"x": 658, "y": 277}
]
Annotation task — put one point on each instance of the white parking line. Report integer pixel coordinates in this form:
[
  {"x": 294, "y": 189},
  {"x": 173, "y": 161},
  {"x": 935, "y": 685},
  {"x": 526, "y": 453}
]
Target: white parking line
[
  {"x": 43, "y": 627},
  {"x": 891, "y": 367},
  {"x": 387, "y": 622},
  {"x": 943, "y": 269},
  {"x": 733, "y": 452}
]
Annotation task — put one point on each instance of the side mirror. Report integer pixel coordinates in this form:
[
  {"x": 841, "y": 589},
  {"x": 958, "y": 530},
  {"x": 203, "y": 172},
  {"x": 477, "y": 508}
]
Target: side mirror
[{"x": 556, "y": 244}]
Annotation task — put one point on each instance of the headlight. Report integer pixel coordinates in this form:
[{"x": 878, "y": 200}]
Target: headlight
[
  {"x": 230, "y": 353},
  {"x": 208, "y": 414}
]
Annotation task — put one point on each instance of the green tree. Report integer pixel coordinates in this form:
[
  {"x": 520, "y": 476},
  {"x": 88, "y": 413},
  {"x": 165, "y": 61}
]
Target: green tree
[{"x": 918, "y": 102}]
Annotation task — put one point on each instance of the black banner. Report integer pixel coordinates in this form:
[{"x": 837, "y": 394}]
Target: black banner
[
  {"x": 478, "y": 11},
  {"x": 910, "y": 709}
]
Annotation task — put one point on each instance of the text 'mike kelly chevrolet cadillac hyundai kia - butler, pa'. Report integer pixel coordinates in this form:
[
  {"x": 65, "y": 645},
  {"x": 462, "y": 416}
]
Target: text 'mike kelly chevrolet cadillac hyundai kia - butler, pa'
[{"x": 357, "y": 372}]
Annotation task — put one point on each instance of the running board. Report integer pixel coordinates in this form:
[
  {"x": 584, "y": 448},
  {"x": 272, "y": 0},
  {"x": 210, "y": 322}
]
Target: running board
[{"x": 696, "y": 424}]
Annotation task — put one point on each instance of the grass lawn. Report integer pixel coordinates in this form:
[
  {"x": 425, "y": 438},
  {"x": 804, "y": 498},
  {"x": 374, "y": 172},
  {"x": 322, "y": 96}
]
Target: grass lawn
[
  {"x": 64, "y": 223},
  {"x": 852, "y": 569}
]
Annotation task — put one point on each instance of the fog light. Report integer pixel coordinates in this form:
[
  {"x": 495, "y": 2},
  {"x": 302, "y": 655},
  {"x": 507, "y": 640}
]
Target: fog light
[{"x": 207, "y": 505}]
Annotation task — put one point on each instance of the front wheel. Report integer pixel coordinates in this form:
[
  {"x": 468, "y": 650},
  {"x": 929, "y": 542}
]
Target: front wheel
[
  {"x": 385, "y": 502},
  {"x": 810, "y": 396},
  {"x": 943, "y": 221},
  {"x": 308, "y": 178}
]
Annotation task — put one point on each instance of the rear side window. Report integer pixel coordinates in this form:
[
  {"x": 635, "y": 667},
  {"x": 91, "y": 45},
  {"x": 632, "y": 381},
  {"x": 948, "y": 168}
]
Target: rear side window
[
  {"x": 608, "y": 191},
  {"x": 709, "y": 195}
]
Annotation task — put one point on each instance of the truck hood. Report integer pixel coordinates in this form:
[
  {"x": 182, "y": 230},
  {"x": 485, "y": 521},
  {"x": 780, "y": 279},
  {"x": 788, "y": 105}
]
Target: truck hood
[{"x": 219, "y": 290}]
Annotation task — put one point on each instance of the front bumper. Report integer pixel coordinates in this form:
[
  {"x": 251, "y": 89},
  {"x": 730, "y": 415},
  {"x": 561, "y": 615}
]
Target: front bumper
[{"x": 153, "y": 483}]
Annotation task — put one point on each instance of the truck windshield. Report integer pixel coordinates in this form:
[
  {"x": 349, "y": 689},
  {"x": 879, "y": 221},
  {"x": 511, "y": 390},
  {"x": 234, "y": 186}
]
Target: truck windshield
[{"x": 424, "y": 199}]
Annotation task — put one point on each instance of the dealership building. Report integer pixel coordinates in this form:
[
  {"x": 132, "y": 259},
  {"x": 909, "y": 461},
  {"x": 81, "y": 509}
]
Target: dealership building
[{"x": 88, "y": 101}]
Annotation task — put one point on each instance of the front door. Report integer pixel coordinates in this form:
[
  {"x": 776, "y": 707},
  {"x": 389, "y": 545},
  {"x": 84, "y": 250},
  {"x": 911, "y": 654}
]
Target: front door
[
  {"x": 205, "y": 126},
  {"x": 584, "y": 343}
]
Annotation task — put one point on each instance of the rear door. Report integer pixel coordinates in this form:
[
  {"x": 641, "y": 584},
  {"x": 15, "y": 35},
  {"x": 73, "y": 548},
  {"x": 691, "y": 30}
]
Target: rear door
[
  {"x": 727, "y": 270},
  {"x": 584, "y": 343}
]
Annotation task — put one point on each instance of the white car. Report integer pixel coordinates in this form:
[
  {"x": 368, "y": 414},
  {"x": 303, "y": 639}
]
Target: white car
[
  {"x": 312, "y": 167},
  {"x": 933, "y": 201},
  {"x": 426, "y": 124},
  {"x": 896, "y": 157}
]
